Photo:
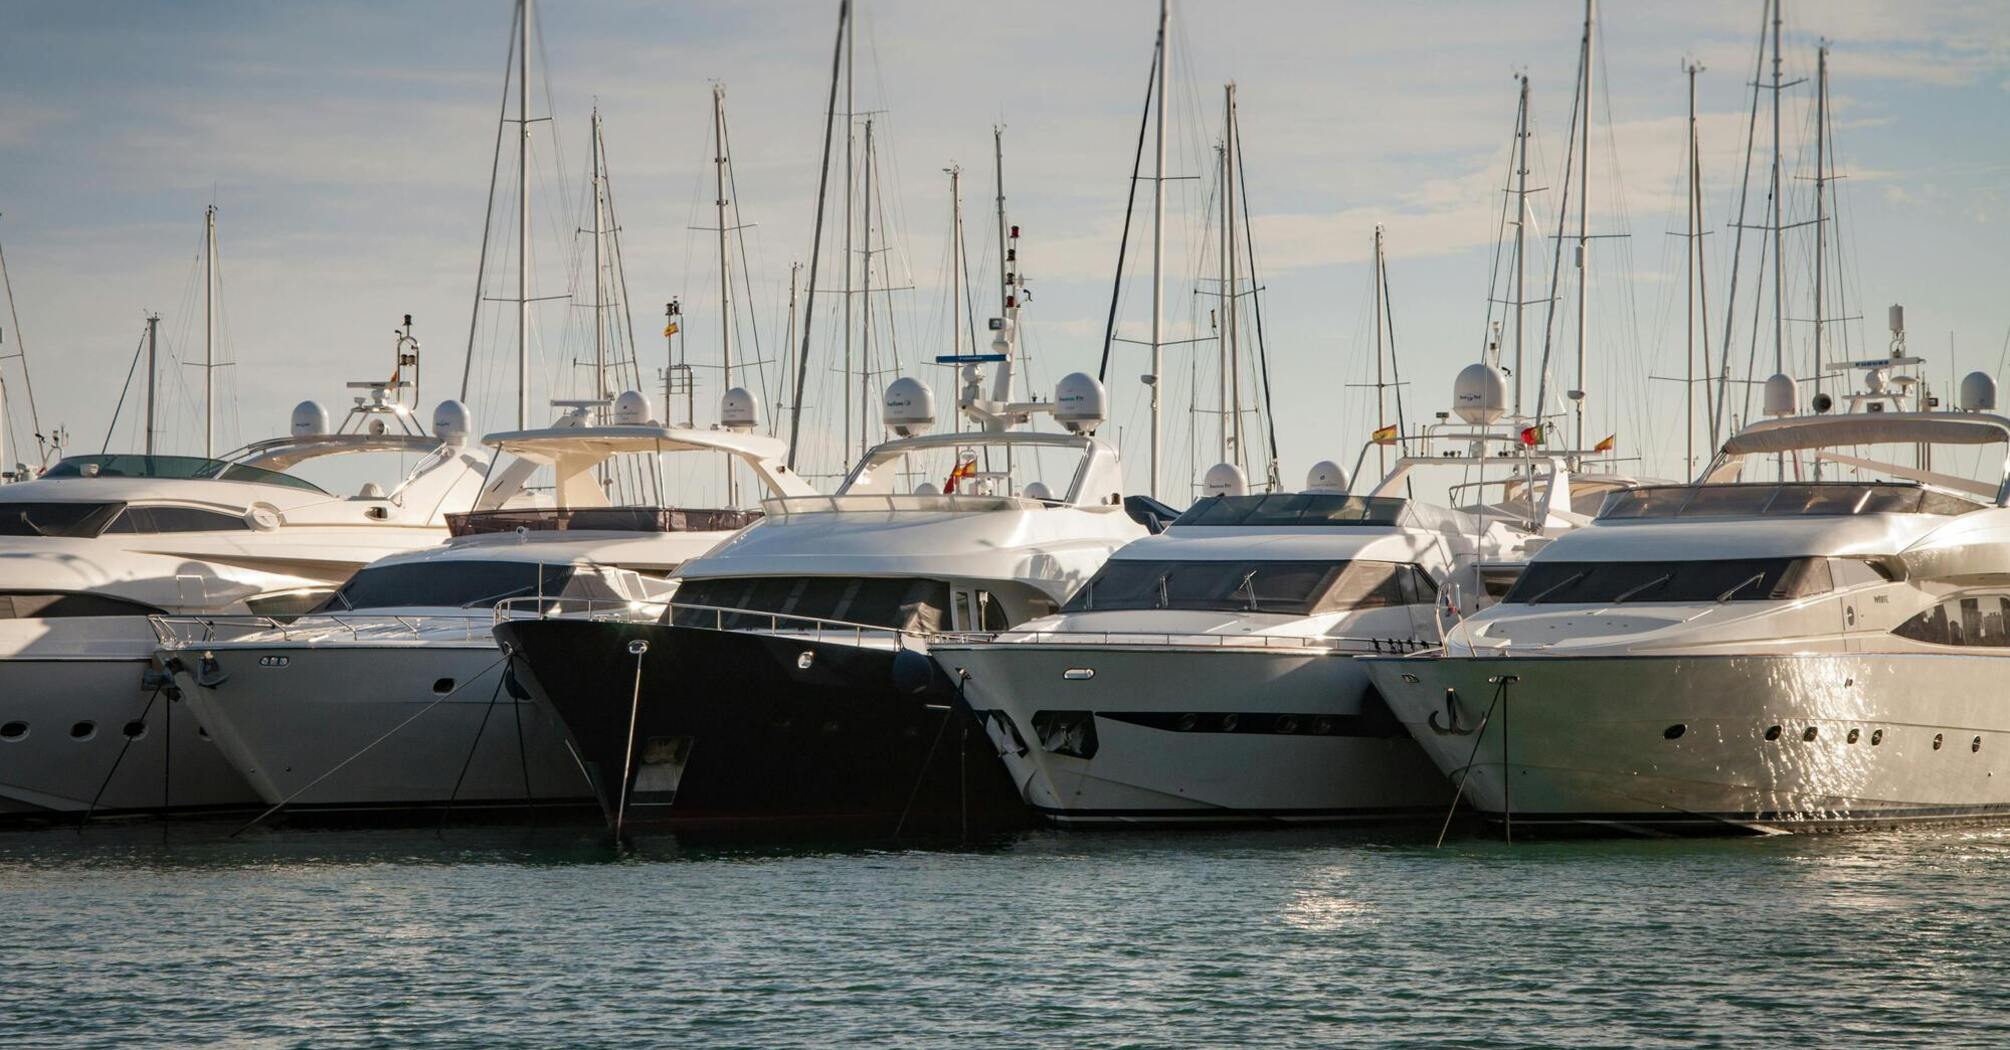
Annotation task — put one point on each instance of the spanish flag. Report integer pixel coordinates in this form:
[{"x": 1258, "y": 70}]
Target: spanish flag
[
  {"x": 1384, "y": 435},
  {"x": 669, "y": 329},
  {"x": 1532, "y": 436},
  {"x": 964, "y": 469},
  {"x": 1610, "y": 443}
]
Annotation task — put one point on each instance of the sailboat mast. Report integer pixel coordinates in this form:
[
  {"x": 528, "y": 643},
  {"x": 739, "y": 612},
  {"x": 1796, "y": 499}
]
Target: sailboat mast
[
  {"x": 599, "y": 285},
  {"x": 1381, "y": 388},
  {"x": 523, "y": 218},
  {"x": 1221, "y": 301},
  {"x": 153, "y": 362},
  {"x": 209, "y": 332},
  {"x": 725, "y": 257},
  {"x": 1230, "y": 152},
  {"x": 1821, "y": 202},
  {"x": 1583, "y": 229},
  {"x": 1779, "y": 250},
  {"x": 1689, "y": 280},
  {"x": 849, "y": 215},
  {"x": 1159, "y": 249},
  {"x": 865, "y": 303},
  {"x": 1520, "y": 233},
  {"x": 956, "y": 260},
  {"x": 1005, "y": 259}
]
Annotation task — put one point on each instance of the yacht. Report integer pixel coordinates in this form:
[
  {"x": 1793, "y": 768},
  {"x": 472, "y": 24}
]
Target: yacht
[
  {"x": 1807, "y": 637},
  {"x": 1207, "y": 674},
  {"x": 100, "y": 543},
  {"x": 395, "y": 695},
  {"x": 788, "y": 684}
]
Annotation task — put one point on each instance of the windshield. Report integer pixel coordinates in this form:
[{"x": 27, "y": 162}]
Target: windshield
[
  {"x": 70, "y": 520},
  {"x": 1620, "y": 582},
  {"x": 1295, "y": 587},
  {"x": 1775, "y": 501},
  {"x": 174, "y": 467},
  {"x": 465, "y": 584},
  {"x": 978, "y": 467},
  {"x": 1294, "y": 508}
]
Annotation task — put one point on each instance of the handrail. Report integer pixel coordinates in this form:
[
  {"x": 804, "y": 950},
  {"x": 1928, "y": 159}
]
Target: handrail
[
  {"x": 1175, "y": 639},
  {"x": 819, "y": 628},
  {"x": 183, "y": 631}
]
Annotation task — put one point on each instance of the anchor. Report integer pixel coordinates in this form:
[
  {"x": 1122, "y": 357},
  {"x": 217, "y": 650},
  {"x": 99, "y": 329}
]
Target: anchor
[{"x": 1451, "y": 717}]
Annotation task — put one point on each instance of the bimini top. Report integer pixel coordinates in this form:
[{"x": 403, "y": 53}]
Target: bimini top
[{"x": 1868, "y": 428}]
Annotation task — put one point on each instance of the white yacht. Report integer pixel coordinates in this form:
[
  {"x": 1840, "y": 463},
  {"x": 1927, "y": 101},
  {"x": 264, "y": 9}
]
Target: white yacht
[
  {"x": 395, "y": 695},
  {"x": 100, "y": 543},
  {"x": 1814, "y": 647},
  {"x": 1207, "y": 674},
  {"x": 786, "y": 686}
]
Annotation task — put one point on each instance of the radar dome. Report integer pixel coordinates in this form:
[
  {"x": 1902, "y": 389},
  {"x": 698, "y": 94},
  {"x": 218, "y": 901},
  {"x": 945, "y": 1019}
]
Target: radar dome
[
  {"x": 928, "y": 488},
  {"x": 1037, "y": 490},
  {"x": 1783, "y": 398},
  {"x": 1326, "y": 476},
  {"x": 738, "y": 410},
  {"x": 1224, "y": 479},
  {"x": 1479, "y": 394},
  {"x": 309, "y": 419},
  {"x": 451, "y": 422},
  {"x": 632, "y": 409},
  {"x": 1978, "y": 392},
  {"x": 910, "y": 407},
  {"x": 1080, "y": 404}
]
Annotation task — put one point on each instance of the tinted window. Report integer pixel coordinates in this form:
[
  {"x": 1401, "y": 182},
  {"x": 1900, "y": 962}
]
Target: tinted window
[
  {"x": 1977, "y": 620},
  {"x": 1299, "y": 587},
  {"x": 50, "y": 606},
  {"x": 1611, "y": 583},
  {"x": 74, "y": 520},
  {"x": 177, "y": 519},
  {"x": 185, "y": 467},
  {"x": 1294, "y": 508},
  {"x": 898, "y": 602},
  {"x": 464, "y": 584}
]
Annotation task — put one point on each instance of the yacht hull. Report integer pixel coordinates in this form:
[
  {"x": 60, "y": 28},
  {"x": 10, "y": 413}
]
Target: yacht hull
[
  {"x": 1714, "y": 744},
  {"x": 352, "y": 728},
  {"x": 82, "y": 730},
  {"x": 1207, "y": 735},
  {"x": 748, "y": 732}
]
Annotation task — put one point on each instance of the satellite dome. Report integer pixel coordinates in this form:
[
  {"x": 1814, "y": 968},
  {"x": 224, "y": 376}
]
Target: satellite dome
[
  {"x": 632, "y": 409},
  {"x": 738, "y": 410},
  {"x": 451, "y": 422},
  {"x": 1039, "y": 491},
  {"x": 928, "y": 488},
  {"x": 309, "y": 419},
  {"x": 910, "y": 407},
  {"x": 1782, "y": 396},
  {"x": 1479, "y": 394},
  {"x": 1224, "y": 479},
  {"x": 1326, "y": 476},
  {"x": 1080, "y": 403},
  {"x": 1978, "y": 392}
]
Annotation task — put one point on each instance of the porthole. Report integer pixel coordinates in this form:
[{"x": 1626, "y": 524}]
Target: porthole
[
  {"x": 1287, "y": 724},
  {"x": 1772, "y": 732},
  {"x": 1876, "y": 737},
  {"x": 443, "y": 686},
  {"x": 134, "y": 729},
  {"x": 1228, "y": 723},
  {"x": 84, "y": 730},
  {"x": 13, "y": 731},
  {"x": 1975, "y": 744},
  {"x": 1674, "y": 732},
  {"x": 1853, "y": 734},
  {"x": 1187, "y": 722},
  {"x": 1809, "y": 733},
  {"x": 1936, "y": 741}
]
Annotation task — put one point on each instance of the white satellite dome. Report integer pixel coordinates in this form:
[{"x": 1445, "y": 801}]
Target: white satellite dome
[
  {"x": 738, "y": 410},
  {"x": 910, "y": 407},
  {"x": 928, "y": 488},
  {"x": 632, "y": 409},
  {"x": 1978, "y": 392},
  {"x": 1038, "y": 490},
  {"x": 309, "y": 419},
  {"x": 1224, "y": 479},
  {"x": 1783, "y": 398},
  {"x": 1479, "y": 394},
  {"x": 1326, "y": 476},
  {"x": 451, "y": 422},
  {"x": 1080, "y": 403}
]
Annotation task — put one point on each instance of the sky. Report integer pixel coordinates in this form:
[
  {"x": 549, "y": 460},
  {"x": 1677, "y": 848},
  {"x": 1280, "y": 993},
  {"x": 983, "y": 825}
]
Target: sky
[{"x": 348, "y": 149}]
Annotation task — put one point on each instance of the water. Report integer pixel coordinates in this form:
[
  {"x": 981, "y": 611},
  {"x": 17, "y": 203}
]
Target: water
[{"x": 499, "y": 937}]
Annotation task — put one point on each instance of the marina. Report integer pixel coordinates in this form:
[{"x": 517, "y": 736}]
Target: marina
[{"x": 1423, "y": 558}]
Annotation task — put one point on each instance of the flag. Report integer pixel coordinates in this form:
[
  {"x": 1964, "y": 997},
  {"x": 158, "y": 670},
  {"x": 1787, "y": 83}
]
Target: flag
[
  {"x": 1532, "y": 436},
  {"x": 1610, "y": 443},
  {"x": 1384, "y": 435},
  {"x": 964, "y": 468},
  {"x": 669, "y": 329}
]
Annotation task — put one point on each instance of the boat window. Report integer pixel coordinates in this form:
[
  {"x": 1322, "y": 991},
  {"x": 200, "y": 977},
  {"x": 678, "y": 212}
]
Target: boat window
[
  {"x": 1856, "y": 572},
  {"x": 1496, "y": 581},
  {"x": 67, "y": 520},
  {"x": 1740, "y": 579},
  {"x": 50, "y": 605},
  {"x": 1294, "y": 508},
  {"x": 1972, "y": 620},
  {"x": 1782, "y": 500},
  {"x": 465, "y": 584},
  {"x": 897, "y": 602},
  {"x": 177, "y": 519},
  {"x": 281, "y": 604},
  {"x": 187, "y": 468},
  {"x": 1728, "y": 499},
  {"x": 1296, "y": 587}
]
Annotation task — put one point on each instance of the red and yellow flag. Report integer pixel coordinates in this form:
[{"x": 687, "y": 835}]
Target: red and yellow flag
[
  {"x": 964, "y": 469},
  {"x": 1532, "y": 436},
  {"x": 1384, "y": 435},
  {"x": 669, "y": 329},
  {"x": 1610, "y": 443}
]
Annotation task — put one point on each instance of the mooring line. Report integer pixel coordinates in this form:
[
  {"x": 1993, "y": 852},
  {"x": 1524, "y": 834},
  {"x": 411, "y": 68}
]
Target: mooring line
[{"x": 1478, "y": 735}]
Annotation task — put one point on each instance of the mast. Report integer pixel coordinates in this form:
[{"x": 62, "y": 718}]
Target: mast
[
  {"x": 1779, "y": 250},
  {"x": 849, "y": 259},
  {"x": 153, "y": 360},
  {"x": 817, "y": 239},
  {"x": 1221, "y": 302},
  {"x": 1689, "y": 280},
  {"x": 1381, "y": 388},
  {"x": 523, "y": 218},
  {"x": 1583, "y": 229},
  {"x": 865, "y": 305},
  {"x": 725, "y": 258},
  {"x": 1234, "y": 282},
  {"x": 599, "y": 286},
  {"x": 1159, "y": 249},
  {"x": 1520, "y": 233},
  {"x": 1005, "y": 259},
  {"x": 1821, "y": 202},
  {"x": 956, "y": 258},
  {"x": 209, "y": 332},
  {"x": 795, "y": 269}
]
